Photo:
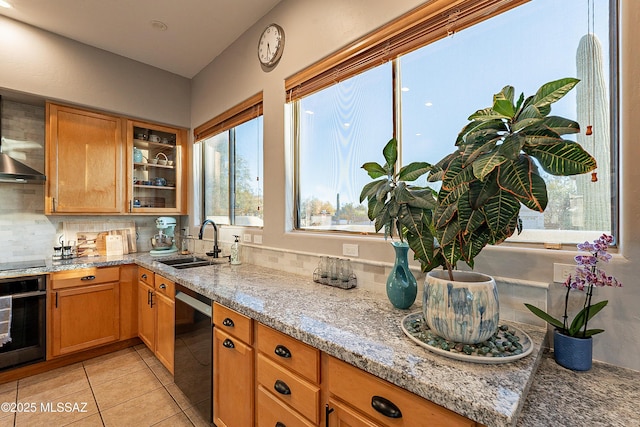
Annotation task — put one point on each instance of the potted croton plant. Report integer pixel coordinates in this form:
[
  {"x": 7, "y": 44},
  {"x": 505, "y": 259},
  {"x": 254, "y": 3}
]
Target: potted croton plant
[
  {"x": 485, "y": 181},
  {"x": 573, "y": 341}
]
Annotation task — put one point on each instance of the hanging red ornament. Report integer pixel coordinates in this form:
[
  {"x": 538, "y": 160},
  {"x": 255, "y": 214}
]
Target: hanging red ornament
[
  {"x": 589, "y": 130},
  {"x": 594, "y": 176}
]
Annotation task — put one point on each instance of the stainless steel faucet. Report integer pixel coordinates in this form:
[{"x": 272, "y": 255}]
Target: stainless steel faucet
[{"x": 216, "y": 250}]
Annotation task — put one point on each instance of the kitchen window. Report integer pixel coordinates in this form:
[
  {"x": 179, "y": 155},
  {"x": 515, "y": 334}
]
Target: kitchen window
[
  {"x": 232, "y": 153},
  {"x": 421, "y": 85}
]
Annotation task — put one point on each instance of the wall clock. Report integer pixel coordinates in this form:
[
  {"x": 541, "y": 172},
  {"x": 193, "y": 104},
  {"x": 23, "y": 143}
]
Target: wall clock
[{"x": 271, "y": 45}]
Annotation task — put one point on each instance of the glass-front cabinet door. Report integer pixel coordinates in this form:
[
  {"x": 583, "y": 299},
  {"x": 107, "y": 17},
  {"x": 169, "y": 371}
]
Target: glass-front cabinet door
[{"x": 157, "y": 172}]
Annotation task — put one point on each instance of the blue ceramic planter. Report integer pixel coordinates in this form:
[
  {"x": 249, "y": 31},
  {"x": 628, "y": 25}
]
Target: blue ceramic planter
[
  {"x": 402, "y": 287},
  {"x": 464, "y": 310},
  {"x": 572, "y": 353}
]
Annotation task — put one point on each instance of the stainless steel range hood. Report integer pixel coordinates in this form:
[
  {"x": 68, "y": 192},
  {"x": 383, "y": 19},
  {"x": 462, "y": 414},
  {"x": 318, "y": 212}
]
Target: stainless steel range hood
[{"x": 11, "y": 170}]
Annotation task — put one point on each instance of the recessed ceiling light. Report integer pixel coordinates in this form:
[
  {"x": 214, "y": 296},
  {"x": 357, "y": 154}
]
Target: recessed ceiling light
[
  {"x": 405, "y": 89},
  {"x": 5, "y": 4},
  {"x": 158, "y": 25},
  {"x": 309, "y": 112},
  {"x": 428, "y": 104}
]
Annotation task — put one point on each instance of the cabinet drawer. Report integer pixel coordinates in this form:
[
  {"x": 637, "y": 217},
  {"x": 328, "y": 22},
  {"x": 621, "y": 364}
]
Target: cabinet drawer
[
  {"x": 272, "y": 412},
  {"x": 84, "y": 277},
  {"x": 289, "y": 352},
  {"x": 165, "y": 286},
  {"x": 363, "y": 391},
  {"x": 233, "y": 323},
  {"x": 146, "y": 276},
  {"x": 299, "y": 394}
]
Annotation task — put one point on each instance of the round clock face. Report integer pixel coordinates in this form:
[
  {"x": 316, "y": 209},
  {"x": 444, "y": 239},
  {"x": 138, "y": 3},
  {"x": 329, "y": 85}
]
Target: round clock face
[{"x": 271, "y": 45}]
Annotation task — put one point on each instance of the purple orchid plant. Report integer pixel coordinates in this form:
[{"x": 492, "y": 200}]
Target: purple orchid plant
[{"x": 587, "y": 275}]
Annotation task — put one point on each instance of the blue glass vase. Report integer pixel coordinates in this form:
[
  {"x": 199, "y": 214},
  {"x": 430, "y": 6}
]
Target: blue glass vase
[
  {"x": 571, "y": 352},
  {"x": 402, "y": 287}
]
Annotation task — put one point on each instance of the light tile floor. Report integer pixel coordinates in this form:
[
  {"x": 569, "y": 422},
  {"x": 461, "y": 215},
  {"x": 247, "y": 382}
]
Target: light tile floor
[{"x": 126, "y": 388}]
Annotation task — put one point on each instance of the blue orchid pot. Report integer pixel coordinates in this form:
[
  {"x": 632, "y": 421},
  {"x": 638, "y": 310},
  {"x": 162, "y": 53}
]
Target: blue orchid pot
[{"x": 572, "y": 352}]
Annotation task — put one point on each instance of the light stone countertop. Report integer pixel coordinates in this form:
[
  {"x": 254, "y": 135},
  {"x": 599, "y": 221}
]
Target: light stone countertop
[
  {"x": 606, "y": 395},
  {"x": 357, "y": 326}
]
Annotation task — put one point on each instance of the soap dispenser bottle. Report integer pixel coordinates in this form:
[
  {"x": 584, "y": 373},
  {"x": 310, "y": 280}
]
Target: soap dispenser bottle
[{"x": 235, "y": 251}]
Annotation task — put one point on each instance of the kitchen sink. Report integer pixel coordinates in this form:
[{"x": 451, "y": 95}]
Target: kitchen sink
[{"x": 182, "y": 263}]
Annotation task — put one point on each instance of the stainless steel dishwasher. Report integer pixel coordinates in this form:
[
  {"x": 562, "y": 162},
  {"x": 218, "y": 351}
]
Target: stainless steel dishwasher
[{"x": 193, "y": 358}]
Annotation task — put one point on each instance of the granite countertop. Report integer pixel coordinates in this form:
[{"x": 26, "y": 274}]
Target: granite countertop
[
  {"x": 606, "y": 395},
  {"x": 362, "y": 328}
]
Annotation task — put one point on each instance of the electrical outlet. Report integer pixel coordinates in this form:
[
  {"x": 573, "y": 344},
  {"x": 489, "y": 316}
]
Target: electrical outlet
[
  {"x": 246, "y": 237},
  {"x": 349, "y": 249},
  {"x": 257, "y": 238},
  {"x": 562, "y": 271}
]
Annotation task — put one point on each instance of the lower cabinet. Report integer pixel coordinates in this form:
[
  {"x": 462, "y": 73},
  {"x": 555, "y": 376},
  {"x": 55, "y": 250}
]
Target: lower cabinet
[
  {"x": 233, "y": 361},
  {"x": 288, "y": 380},
  {"x": 156, "y": 315},
  {"x": 362, "y": 399},
  {"x": 342, "y": 415},
  {"x": 84, "y": 310}
]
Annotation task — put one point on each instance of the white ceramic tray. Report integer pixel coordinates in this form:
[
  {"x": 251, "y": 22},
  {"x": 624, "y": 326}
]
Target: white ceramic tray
[{"x": 414, "y": 326}]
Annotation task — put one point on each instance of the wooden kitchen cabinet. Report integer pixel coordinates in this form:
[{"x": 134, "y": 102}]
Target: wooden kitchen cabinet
[
  {"x": 146, "y": 312},
  {"x": 156, "y": 315},
  {"x": 362, "y": 399},
  {"x": 165, "y": 321},
  {"x": 156, "y": 168},
  {"x": 233, "y": 362},
  {"x": 288, "y": 371},
  {"x": 128, "y": 301},
  {"x": 84, "y": 161},
  {"x": 84, "y": 310}
]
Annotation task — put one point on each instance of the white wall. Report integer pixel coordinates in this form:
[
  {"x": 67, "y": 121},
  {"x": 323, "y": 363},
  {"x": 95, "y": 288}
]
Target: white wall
[
  {"x": 53, "y": 67},
  {"x": 315, "y": 29}
]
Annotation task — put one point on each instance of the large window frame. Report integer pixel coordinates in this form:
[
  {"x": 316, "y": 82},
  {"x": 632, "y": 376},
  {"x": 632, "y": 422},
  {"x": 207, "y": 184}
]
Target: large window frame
[
  {"x": 420, "y": 27},
  {"x": 228, "y": 122}
]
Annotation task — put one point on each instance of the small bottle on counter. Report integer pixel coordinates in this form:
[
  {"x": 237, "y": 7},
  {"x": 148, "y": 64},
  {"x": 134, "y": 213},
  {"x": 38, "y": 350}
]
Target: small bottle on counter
[
  {"x": 235, "y": 251},
  {"x": 184, "y": 243}
]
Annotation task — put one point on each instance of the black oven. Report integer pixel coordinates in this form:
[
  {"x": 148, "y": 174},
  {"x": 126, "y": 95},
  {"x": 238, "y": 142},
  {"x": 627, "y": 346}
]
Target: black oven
[{"x": 27, "y": 299}]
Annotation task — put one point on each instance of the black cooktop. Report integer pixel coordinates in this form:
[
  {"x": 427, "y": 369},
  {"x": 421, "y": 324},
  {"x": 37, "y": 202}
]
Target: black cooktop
[{"x": 21, "y": 265}]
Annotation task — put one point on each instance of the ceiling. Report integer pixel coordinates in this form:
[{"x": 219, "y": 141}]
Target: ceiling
[{"x": 197, "y": 30}]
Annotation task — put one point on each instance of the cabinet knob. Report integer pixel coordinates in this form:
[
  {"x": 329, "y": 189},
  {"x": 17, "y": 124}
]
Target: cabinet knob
[
  {"x": 385, "y": 407},
  {"x": 144, "y": 276},
  {"x": 228, "y": 343},
  {"x": 163, "y": 286},
  {"x": 228, "y": 323},
  {"x": 282, "y": 387},
  {"x": 88, "y": 278},
  {"x": 282, "y": 351},
  {"x": 279, "y": 424}
]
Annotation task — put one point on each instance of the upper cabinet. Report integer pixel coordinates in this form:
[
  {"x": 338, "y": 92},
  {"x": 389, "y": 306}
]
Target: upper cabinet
[
  {"x": 155, "y": 173},
  {"x": 84, "y": 161},
  {"x": 103, "y": 164}
]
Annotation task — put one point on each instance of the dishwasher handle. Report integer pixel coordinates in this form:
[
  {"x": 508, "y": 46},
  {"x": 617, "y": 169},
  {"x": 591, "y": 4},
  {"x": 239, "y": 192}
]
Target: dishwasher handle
[{"x": 194, "y": 303}]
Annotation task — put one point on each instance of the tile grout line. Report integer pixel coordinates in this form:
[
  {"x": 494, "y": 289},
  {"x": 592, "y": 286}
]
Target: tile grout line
[
  {"x": 84, "y": 368},
  {"x": 165, "y": 389}
]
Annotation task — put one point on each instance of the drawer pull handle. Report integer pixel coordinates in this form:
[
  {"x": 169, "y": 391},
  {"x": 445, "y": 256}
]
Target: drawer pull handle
[
  {"x": 88, "y": 278},
  {"x": 282, "y": 351},
  {"x": 144, "y": 276},
  {"x": 385, "y": 407},
  {"x": 228, "y": 343},
  {"x": 163, "y": 286},
  {"x": 282, "y": 387},
  {"x": 228, "y": 323},
  {"x": 279, "y": 424}
]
